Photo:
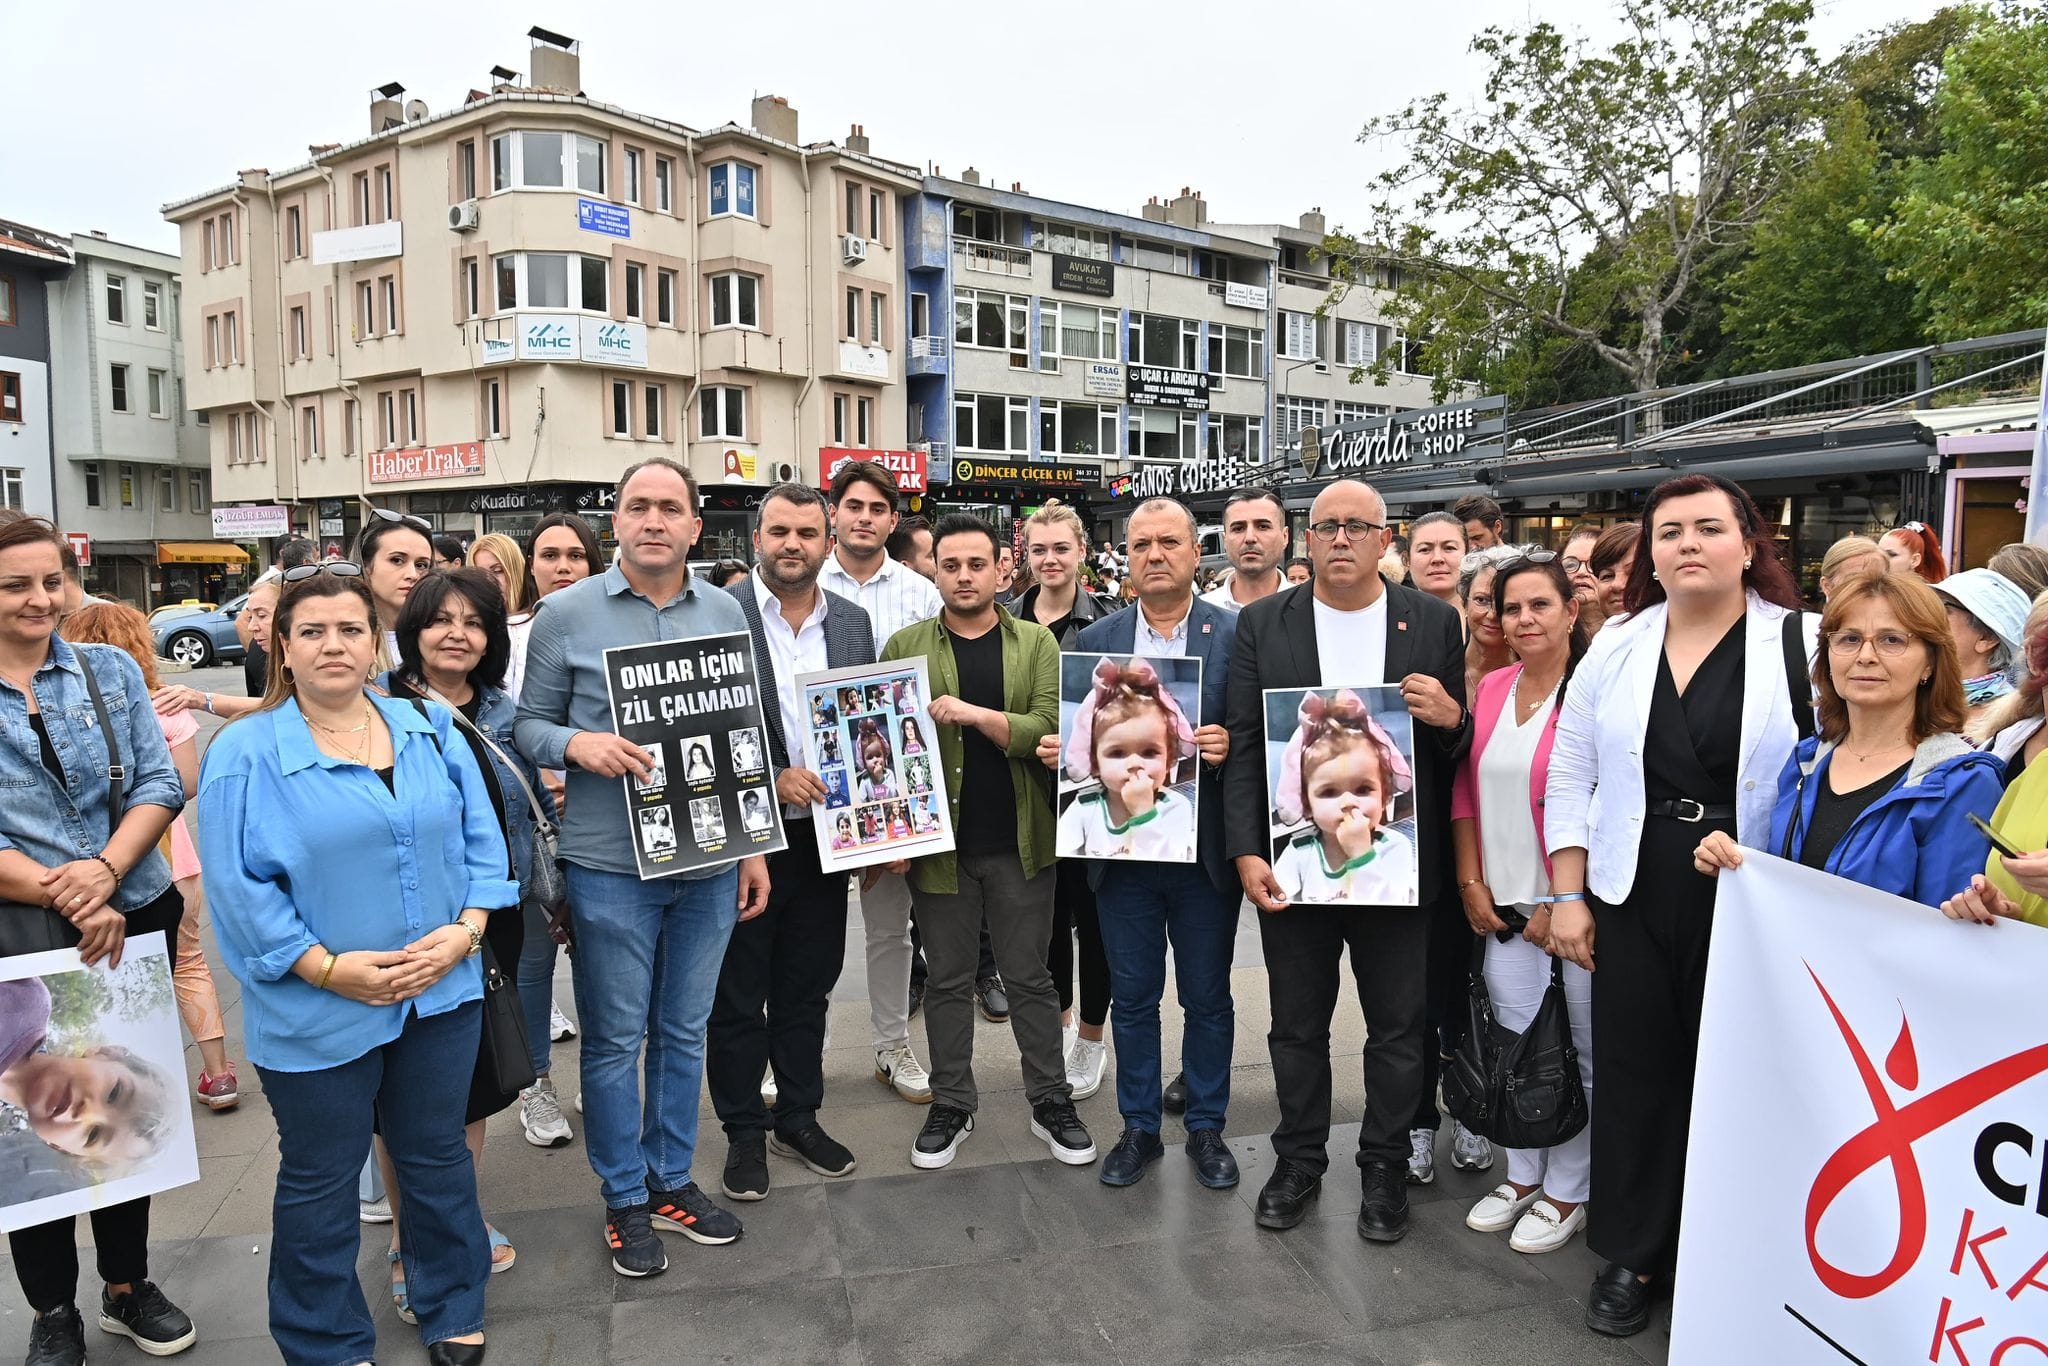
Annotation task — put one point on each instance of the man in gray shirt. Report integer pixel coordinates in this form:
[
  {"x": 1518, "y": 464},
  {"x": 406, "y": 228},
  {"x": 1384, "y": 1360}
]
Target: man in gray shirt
[{"x": 647, "y": 952}]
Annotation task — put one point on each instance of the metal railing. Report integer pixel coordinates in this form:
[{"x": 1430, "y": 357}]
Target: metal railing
[
  {"x": 929, "y": 348},
  {"x": 993, "y": 258}
]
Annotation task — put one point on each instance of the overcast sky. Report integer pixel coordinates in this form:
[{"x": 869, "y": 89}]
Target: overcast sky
[{"x": 115, "y": 111}]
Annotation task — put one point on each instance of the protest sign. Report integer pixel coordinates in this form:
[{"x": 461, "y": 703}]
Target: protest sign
[
  {"x": 1128, "y": 763},
  {"x": 1340, "y": 789},
  {"x": 694, "y": 706},
  {"x": 92, "y": 1084},
  {"x": 870, "y": 741},
  {"x": 1894, "y": 1063}
]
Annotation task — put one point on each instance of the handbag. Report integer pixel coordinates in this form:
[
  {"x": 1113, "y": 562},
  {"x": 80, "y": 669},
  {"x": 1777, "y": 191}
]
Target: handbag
[
  {"x": 507, "y": 1053},
  {"x": 1522, "y": 1090},
  {"x": 38, "y": 929}
]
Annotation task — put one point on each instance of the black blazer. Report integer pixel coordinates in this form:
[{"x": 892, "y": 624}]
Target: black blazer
[
  {"x": 1276, "y": 648},
  {"x": 849, "y": 640}
]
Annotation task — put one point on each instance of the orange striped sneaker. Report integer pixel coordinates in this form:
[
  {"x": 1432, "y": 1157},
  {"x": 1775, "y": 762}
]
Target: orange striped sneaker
[
  {"x": 689, "y": 1211},
  {"x": 635, "y": 1250}
]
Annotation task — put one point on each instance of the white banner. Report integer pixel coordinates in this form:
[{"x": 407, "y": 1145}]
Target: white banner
[{"x": 1868, "y": 1173}]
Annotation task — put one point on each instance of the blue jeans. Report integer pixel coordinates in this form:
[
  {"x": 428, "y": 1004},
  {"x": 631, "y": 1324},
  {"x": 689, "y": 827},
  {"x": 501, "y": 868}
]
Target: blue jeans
[
  {"x": 537, "y": 986},
  {"x": 647, "y": 960},
  {"x": 1141, "y": 906},
  {"x": 418, "y": 1085}
]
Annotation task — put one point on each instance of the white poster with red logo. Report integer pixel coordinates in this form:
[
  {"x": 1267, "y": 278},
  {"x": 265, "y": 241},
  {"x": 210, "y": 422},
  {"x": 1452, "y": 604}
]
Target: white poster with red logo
[{"x": 1868, "y": 1173}]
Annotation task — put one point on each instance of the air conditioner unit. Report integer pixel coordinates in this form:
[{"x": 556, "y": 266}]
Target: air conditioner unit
[
  {"x": 855, "y": 249},
  {"x": 785, "y": 472},
  {"x": 463, "y": 217}
]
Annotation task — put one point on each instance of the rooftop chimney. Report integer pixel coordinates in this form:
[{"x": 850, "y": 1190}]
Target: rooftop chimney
[
  {"x": 857, "y": 140},
  {"x": 1153, "y": 211},
  {"x": 1187, "y": 209},
  {"x": 773, "y": 118},
  {"x": 971, "y": 176},
  {"x": 556, "y": 62},
  {"x": 100, "y": 233},
  {"x": 503, "y": 75},
  {"x": 386, "y": 109},
  {"x": 1313, "y": 221}
]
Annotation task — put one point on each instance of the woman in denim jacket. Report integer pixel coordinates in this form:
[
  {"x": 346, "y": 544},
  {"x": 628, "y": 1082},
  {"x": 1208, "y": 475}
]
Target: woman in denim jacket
[{"x": 62, "y": 847}]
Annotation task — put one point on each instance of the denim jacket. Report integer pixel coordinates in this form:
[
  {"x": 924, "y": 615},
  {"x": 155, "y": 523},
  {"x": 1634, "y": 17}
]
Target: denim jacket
[
  {"x": 494, "y": 718},
  {"x": 55, "y": 824}
]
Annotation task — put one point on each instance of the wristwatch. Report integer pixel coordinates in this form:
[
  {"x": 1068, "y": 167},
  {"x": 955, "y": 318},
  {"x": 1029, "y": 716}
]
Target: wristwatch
[{"x": 476, "y": 936}]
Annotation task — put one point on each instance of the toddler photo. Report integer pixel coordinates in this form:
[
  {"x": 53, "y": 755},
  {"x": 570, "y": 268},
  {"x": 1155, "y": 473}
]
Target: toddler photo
[
  {"x": 1128, "y": 760},
  {"x": 1340, "y": 776}
]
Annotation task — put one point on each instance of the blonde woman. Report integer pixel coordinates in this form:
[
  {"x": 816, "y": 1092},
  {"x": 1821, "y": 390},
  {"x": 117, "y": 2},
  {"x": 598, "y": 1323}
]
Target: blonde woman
[
  {"x": 499, "y": 556},
  {"x": 1848, "y": 557}
]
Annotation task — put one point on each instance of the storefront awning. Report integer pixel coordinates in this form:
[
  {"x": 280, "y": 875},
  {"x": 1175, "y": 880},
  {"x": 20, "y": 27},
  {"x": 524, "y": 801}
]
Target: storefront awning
[{"x": 200, "y": 552}]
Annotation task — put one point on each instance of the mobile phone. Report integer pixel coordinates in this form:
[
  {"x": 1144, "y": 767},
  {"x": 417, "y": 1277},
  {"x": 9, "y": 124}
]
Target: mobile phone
[{"x": 1997, "y": 840}]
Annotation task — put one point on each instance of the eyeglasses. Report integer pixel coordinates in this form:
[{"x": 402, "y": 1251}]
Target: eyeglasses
[
  {"x": 1573, "y": 564},
  {"x": 1849, "y": 644},
  {"x": 341, "y": 569},
  {"x": 419, "y": 524},
  {"x": 1356, "y": 528}
]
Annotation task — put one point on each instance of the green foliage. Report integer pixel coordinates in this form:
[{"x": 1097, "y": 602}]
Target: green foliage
[{"x": 81, "y": 1001}]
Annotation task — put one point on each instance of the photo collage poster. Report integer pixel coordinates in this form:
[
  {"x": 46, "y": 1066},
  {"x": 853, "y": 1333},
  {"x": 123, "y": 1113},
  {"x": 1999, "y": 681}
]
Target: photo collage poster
[
  {"x": 872, "y": 742},
  {"x": 1340, "y": 789},
  {"x": 1128, "y": 764}
]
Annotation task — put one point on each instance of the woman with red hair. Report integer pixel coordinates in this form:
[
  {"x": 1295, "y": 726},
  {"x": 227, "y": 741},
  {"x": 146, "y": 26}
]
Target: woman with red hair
[{"x": 1911, "y": 545}]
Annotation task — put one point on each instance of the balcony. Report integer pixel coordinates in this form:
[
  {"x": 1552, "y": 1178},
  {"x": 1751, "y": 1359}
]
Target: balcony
[
  {"x": 928, "y": 355},
  {"x": 991, "y": 258}
]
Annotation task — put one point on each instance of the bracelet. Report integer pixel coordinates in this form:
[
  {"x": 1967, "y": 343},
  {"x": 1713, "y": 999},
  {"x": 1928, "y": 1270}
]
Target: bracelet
[
  {"x": 326, "y": 971},
  {"x": 209, "y": 705},
  {"x": 1553, "y": 900},
  {"x": 109, "y": 867},
  {"x": 1470, "y": 882},
  {"x": 476, "y": 936}
]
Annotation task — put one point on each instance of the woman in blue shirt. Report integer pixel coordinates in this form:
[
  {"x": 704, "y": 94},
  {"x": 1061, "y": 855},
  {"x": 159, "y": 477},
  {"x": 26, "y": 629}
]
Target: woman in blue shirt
[
  {"x": 353, "y": 862},
  {"x": 64, "y": 847}
]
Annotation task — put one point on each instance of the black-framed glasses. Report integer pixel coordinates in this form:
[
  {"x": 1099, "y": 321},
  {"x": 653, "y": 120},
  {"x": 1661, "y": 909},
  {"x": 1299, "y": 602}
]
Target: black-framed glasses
[
  {"x": 419, "y": 524},
  {"x": 1356, "y": 528},
  {"x": 341, "y": 569}
]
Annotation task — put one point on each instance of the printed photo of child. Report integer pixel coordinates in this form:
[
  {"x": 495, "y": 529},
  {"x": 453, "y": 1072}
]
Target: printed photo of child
[
  {"x": 754, "y": 814},
  {"x": 836, "y": 794},
  {"x": 707, "y": 821},
  {"x": 657, "y": 831},
  {"x": 924, "y": 814},
  {"x": 913, "y": 738},
  {"x": 697, "y": 766},
  {"x": 871, "y": 824},
  {"x": 899, "y": 820},
  {"x": 917, "y": 773},
  {"x": 828, "y": 747},
  {"x": 842, "y": 832},
  {"x": 824, "y": 711},
  {"x": 1340, "y": 766},
  {"x": 849, "y": 701},
  {"x": 906, "y": 696},
  {"x": 877, "y": 699},
  {"x": 657, "y": 777},
  {"x": 745, "y": 745},
  {"x": 1129, "y": 757},
  {"x": 877, "y": 761}
]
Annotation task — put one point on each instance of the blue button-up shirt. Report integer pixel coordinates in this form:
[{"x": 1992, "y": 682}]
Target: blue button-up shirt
[
  {"x": 55, "y": 824},
  {"x": 301, "y": 848},
  {"x": 563, "y": 692}
]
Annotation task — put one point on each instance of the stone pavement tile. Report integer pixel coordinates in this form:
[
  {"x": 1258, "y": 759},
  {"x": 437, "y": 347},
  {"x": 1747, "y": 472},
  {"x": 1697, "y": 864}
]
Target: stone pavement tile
[
  {"x": 1337, "y": 1352},
  {"x": 244, "y": 1130},
  {"x": 224, "y": 1285},
  {"x": 789, "y": 1236},
  {"x": 1547, "y": 1331},
  {"x": 879, "y": 1135},
  {"x": 802, "y": 1323},
  {"x": 1020, "y": 1310},
  {"x": 1440, "y": 1270},
  {"x": 1168, "y": 1203},
  {"x": 185, "y": 1211},
  {"x": 940, "y": 1218},
  {"x": 244, "y": 1210},
  {"x": 562, "y": 1262}
]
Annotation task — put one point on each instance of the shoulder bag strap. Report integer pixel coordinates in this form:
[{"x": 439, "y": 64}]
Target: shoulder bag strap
[
  {"x": 541, "y": 822},
  {"x": 490, "y": 781},
  {"x": 117, "y": 773},
  {"x": 1798, "y": 681}
]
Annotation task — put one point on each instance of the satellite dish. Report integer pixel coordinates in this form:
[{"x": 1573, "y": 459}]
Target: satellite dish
[{"x": 415, "y": 110}]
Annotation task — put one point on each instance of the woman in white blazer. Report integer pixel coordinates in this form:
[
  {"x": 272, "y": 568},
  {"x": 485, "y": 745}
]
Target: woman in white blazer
[{"x": 1678, "y": 722}]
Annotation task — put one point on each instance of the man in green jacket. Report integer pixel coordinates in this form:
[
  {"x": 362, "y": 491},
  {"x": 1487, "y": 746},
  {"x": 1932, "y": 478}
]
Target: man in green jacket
[{"x": 994, "y": 695}]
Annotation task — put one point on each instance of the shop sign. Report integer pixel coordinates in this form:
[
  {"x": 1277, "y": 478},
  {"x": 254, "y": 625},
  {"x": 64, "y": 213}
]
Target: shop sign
[
  {"x": 1244, "y": 296},
  {"x": 613, "y": 220},
  {"x": 81, "y": 546},
  {"x": 1156, "y": 387},
  {"x": 1474, "y": 430},
  {"x": 608, "y": 343},
  {"x": 907, "y": 466},
  {"x": 740, "y": 464},
  {"x": 869, "y": 362},
  {"x": 1083, "y": 275},
  {"x": 369, "y": 242},
  {"x": 413, "y": 463},
  {"x": 1181, "y": 479},
  {"x": 330, "y": 526},
  {"x": 544, "y": 338},
  {"x": 1103, "y": 379},
  {"x": 1024, "y": 474},
  {"x": 244, "y": 523}
]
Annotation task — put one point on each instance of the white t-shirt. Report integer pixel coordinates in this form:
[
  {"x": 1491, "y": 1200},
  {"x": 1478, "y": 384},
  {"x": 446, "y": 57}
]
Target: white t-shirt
[
  {"x": 1387, "y": 878},
  {"x": 1167, "y": 835},
  {"x": 1352, "y": 646},
  {"x": 1508, "y": 838}
]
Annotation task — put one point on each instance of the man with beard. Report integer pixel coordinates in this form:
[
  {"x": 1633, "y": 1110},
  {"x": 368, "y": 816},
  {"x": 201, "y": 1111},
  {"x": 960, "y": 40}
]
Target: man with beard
[
  {"x": 780, "y": 967},
  {"x": 1255, "y": 541}
]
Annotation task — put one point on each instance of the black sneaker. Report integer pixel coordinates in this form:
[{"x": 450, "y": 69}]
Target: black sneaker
[
  {"x": 814, "y": 1148},
  {"x": 1056, "y": 1123},
  {"x": 145, "y": 1316},
  {"x": 945, "y": 1129},
  {"x": 689, "y": 1211},
  {"x": 746, "y": 1166},
  {"x": 993, "y": 1000},
  {"x": 916, "y": 999},
  {"x": 57, "y": 1338},
  {"x": 629, "y": 1232}
]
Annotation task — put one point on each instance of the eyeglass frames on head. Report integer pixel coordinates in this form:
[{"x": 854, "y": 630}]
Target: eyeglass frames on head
[{"x": 341, "y": 569}]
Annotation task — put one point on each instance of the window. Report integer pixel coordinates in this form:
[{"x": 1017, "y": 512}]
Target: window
[
  {"x": 665, "y": 184},
  {"x": 118, "y": 377},
  {"x": 597, "y": 279},
  {"x": 1300, "y": 335},
  {"x": 1293, "y": 414},
  {"x": 1157, "y": 256},
  {"x": 472, "y": 288},
  {"x": 299, "y": 350},
  {"x": 920, "y": 315},
  {"x": 494, "y": 408},
  {"x": 878, "y": 205},
  {"x": 992, "y": 422},
  {"x": 208, "y": 253},
  {"x": 348, "y": 427},
  {"x": 1168, "y": 342},
  {"x": 195, "y": 490},
  {"x": 840, "y": 404},
  {"x": 994, "y": 322},
  {"x": 213, "y": 352},
  {"x": 390, "y": 290},
  {"x": 1240, "y": 440},
  {"x": 159, "y": 394},
  {"x": 878, "y": 312},
  {"x": 1161, "y": 434},
  {"x": 1088, "y": 243},
  {"x": 11, "y": 495},
  {"x": 851, "y": 332},
  {"x": 622, "y": 408},
  {"x": 1074, "y": 332},
  {"x": 251, "y": 436},
  {"x": 1076, "y": 428},
  {"x": 539, "y": 279},
  {"x": 127, "y": 484},
  {"x": 864, "y": 422},
  {"x": 230, "y": 244},
  {"x": 10, "y": 397},
  {"x": 409, "y": 407},
  {"x": 166, "y": 491},
  {"x": 153, "y": 306},
  {"x": 977, "y": 223},
  {"x": 722, "y": 412},
  {"x": 635, "y": 289},
  {"x": 1360, "y": 344},
  {"x": 361, "y": 182},
  {"x": 294, "y": 238},
  {"x": 366, "y": 309},
  {"x": 117, "y": 298},
  {"x": 8, "y": 316},
  {"x": 1406, "y": 354},
  {"x": 665, "y": 297},
  {"x": 232, "y": 335},
  {"x": 465, "y": 170},
  {"x": 653, "y": 402},
  {"x": 633, "y": 175},
  {"x": 387, "y": 419},
  {"x": 853, "y": 223},
  {"x": 387, "y": 195},
  {"x": 732, "y": 189},
  {"x": 95, "y": 495},
  {"x": 736, "y": 300},
  {"x": 548, "y": 161},
  {"x": 1341, "y": 412},
  {"x": 1239, "y": 352},
  {"x": 309, "y": 433}
]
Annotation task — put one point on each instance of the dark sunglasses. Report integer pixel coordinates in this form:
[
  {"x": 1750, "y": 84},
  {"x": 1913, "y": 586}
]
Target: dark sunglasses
[
  {"x": 418, "y": 524},
  {"x": 341, "y": 569}
]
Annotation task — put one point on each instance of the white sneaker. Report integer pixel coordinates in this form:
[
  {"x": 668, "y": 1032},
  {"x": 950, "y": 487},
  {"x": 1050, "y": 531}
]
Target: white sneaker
[
  {"x": 1500, "y": 1208},
  {"x": 898, "y": 1067},
  {"x": 374, "y": 1211},
  {"x": 559, "y": 1027},
  {"x": 1421, "y": 1156},
  {"x": 1543, "y": 1229},
  {"x": 579, "y": 1102},
  {"x": 540, "y": 1115},
  {"x": 1470, "y": 1152},
  {"x": 768, "y": 1091},
  {"x": 1085, "y": 1060}
]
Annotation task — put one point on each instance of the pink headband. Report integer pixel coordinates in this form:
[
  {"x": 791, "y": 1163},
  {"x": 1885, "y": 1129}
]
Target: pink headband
[
  {"x": 1344, "y": 708},
  {"x": 1109, "y": 678}
]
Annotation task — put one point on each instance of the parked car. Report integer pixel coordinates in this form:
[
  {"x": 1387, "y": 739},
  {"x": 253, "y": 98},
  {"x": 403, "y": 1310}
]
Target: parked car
[
  {"x": 179, "y": 609},
  {"x": 200, "y": 639}
]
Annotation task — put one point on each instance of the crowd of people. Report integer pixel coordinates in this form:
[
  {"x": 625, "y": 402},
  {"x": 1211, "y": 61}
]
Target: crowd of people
[{"x": 1600, "y": 730}]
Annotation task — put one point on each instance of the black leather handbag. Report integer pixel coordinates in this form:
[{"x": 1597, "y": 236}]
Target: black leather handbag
[
  {"x": 1522, "y": 1090},
  {"x": 506, "y": 1051},
  {"x": 38, "y": 929}
]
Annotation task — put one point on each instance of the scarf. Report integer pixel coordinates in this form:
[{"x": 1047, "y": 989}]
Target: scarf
[{"x": 1989, "y": 688}]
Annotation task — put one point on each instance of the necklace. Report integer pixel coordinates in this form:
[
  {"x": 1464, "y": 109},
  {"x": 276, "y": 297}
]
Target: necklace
[
  {"x": 353, "y": 753},
  {"x": 1875, "y": 753},
  {"x": 1525, "y": 710}
]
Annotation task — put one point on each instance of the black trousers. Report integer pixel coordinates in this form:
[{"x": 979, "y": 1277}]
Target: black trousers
[
  {"x": 1304, "y": 947},
  {"x": 1073, "y": 917},
  {"x": 773, "y": 990},
  {"x": 1450, "y": 962},
  {"x": 46, "y": 1255}
]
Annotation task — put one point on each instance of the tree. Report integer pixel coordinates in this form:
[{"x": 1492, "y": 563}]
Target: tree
[{"x": 1654, "y": 156}]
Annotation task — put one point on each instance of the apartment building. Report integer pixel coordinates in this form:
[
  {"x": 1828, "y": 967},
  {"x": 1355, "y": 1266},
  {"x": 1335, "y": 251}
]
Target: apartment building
[
  {"x": 28, "y": 258},
  {"x": 130, "y": 463},
  {"x": 481, "y": 315}
]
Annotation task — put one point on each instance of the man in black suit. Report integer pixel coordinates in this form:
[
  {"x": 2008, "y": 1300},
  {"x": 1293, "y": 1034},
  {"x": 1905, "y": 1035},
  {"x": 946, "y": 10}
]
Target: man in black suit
[{"x": 1347, "y": 627}]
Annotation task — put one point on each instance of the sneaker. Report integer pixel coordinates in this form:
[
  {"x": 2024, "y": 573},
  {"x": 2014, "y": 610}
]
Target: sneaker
[
  {"x": 1500, "y": 1208},
  {"x": 559, "y": 1027},
  {"x": 374, "y": 1211},
  {"x": 1470, "y": 1152},
  {"x": 148, "y": 1319},
  {"x": 689, "y": 1211},
  {"x": 1085, "y": 1060},
  {"x": 898, "y": 1067},
  {"x": 916, "y": 1000},
  {"x": 769, "y": 1093},
  {"x": 1543, "y": 1229},
  {"x": 945, "y": 1129},
  {"x": 815, "y": 1148},
  {"x": 629, "y": 1232},
  {"x": 57, "y": 1338},
  {"x": 746, "y": 1166},
  {"x": 993, "y": 1000},
  {"x": 1421, "y": 1156},
  {"x": 219, "y": 1093},
  {"x": 540, "y": 1115},
  {"x": 1056, "y": 1123},
  {"x": 579, "y": 1102}
]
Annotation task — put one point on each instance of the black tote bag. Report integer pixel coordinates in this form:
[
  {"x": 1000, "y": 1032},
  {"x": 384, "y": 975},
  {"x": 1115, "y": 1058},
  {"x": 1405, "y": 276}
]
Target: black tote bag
[{"x": 1522, "y": 1090}]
